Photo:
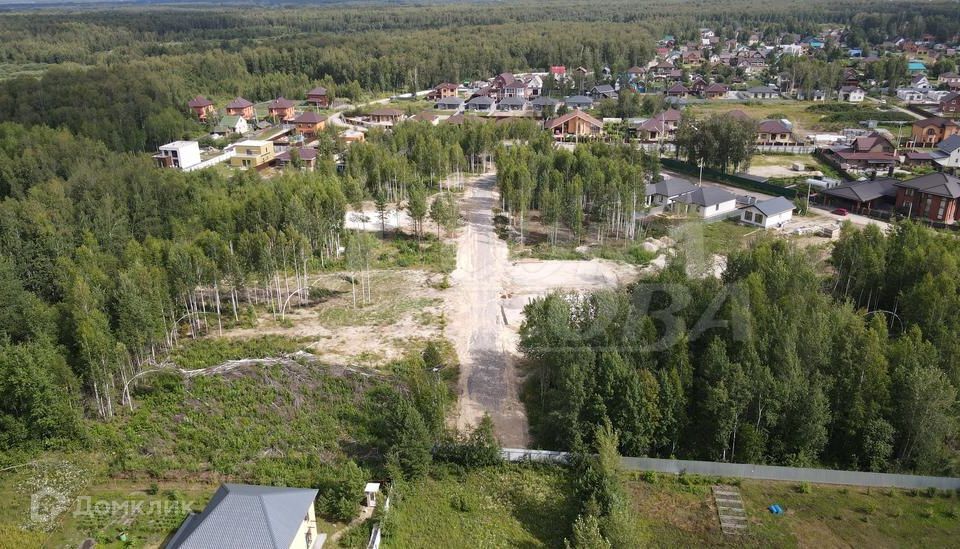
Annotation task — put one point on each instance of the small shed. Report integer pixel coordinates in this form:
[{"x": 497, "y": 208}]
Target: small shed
[{"x": 370, "y": 492}]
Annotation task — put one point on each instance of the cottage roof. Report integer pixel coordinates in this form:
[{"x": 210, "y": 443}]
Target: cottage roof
[
  {"x": 513, "y": 101},
  {"x": 239, "y": 103},
  {"x": 199, "y": 101},
  {"x": 309, "y": 117},
  {"x": 307, "y": 154},
  {"x": 708, "y": 196},
  {"x": 717, "y": 87},
  {"x": 937, "y": 121},
  {"x": 281, "y": 103},
  {"x": 554, "y": 122},
  {"x": 774, "y": 206},
  {"x": 774, "y": 126},
  {"x": 425, "y": 116},
  {"x": 319, "y": 91},
  {"x": 949, "y": 144},
  {"x": 671, "y": 187},
  {"x": 864, "y": 191},
  {"x": 578, "y": 100},
  {"x": 450, "y": 102},
  {"x": 481, "y": 100},
  {"x": 939, "y": 184},
  {"x": 678, "y": 88},
  {"x": 603, "y": 88},
  {"x": 387, "y": 112},
  {"x": 242, "y": 515},
  {"x": 544, "y": 101}
]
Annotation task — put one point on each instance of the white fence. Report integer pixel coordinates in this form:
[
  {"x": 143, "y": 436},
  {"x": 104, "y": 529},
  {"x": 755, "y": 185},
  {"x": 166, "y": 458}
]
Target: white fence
[
  {"x": 227, "y": 155},
  {"x": 751, "y": 471}
]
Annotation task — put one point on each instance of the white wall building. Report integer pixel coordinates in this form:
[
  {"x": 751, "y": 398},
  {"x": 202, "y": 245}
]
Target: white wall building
[
  {"x": 768, "y": 213},
  {"x": 179, "y": 154},
  {"x": 707, "y": 202}
]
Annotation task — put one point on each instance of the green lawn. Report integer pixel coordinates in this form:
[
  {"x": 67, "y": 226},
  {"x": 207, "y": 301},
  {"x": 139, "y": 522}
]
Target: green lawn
[
  {"x": 795, "y": 111},
  {"x": 506, "y": 506},
  {"x": 719, "y": 237},
  {"x": 832, "y": 516}
]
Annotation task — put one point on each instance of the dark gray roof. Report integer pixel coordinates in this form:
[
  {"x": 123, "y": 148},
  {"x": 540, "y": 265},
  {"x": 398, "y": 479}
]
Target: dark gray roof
[
  {"x": 671, "y": 187},
  {"x": 242, "y": 515},
  {"x": 774, "y": 206},
  {"x": 544, "y": 101},
  {"x": 762, "y": 89},
  {"x": 513, "y": 101},
  {"x": 578, "y": 100},
  {"x": 481, "y": 100},
  {"x": 450, "y": 101},
  {"x": 864, "y": 191},
  {"x": 604, "y": 88},
  {"x": 939, "y": 184},
  {"x": 708, "y": 196},
  {"x": 950, "y": 144}
]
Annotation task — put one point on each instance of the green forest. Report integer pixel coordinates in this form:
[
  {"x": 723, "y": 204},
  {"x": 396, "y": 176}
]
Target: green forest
[
  {"x": 111, "y": 267},
  {"x": 775, "y": 363}
]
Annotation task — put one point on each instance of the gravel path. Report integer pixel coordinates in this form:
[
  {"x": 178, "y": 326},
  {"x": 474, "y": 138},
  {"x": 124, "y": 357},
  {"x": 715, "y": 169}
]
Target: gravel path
[{"x": 488, "y": 379}]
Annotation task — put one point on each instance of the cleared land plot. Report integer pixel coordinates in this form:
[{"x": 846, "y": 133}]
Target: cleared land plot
[{"x": 507, "y": 506}]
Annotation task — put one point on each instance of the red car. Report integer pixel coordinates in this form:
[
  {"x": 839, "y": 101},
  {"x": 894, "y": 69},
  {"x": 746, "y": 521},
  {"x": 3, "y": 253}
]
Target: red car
[{"x": 841, "y": 211}]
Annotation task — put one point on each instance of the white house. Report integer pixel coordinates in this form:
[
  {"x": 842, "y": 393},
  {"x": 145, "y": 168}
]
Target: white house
[
  {"x": 231, "y": 124},
  {"x": 947, "y": 154},
  {"x": 852, "y": 94},
  {"x": 707, "y": 202},
  {"x": 668, "y": 190},
  {"x": 768, "y": 213},
  {"x": 261, "y": 517},
  {"x": 179, "y": 154},
  {"x": 920, "y": 82},
  {"x": 910, "y": 95}
]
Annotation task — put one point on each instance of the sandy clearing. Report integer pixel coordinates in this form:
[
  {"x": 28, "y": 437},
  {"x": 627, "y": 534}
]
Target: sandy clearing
[
  {"x": 485, "y": 306},
  {"x": 404, "y": 309}
]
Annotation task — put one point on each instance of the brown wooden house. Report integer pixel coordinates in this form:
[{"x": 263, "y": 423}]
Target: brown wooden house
[
  {"x": 931, "y": 131},
  {"x": 240, "y": 107},
  {"x": 282, "y": 109},
  {"x": 318, "y": 96},
  {"x": 310, "y": 123},
  {"x": 201, "y": 106},
  {"x": 933, "y": 196},
  {"x": 574, "y": 123}
]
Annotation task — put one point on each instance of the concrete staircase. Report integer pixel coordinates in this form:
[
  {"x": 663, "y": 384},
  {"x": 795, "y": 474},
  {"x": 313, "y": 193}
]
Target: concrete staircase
[{"x": 730, "y": 510}]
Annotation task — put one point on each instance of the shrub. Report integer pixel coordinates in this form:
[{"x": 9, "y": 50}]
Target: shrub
[
  {"x": 649, "y": 476},
  {"x": 804, "y": 488}
]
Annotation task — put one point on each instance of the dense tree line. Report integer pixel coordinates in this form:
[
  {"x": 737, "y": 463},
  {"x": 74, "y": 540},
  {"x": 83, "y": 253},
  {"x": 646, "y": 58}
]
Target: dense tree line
[
  {"x": 776, "y": 363},
  {"x": 596, "y": 186},
  {"x": 105, "y": 260},
  {"x": 720, "y": 141}
]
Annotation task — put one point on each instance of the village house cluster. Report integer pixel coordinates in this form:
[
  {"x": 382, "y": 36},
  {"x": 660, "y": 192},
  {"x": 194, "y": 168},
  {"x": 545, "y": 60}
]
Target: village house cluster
[{"x": 734, "y": 72}]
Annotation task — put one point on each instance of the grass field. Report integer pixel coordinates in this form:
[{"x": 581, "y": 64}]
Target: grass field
[
  {"x": 532, "y": 506},
  {"x": 507, "y": 506},
  {"x": 804, "y": 120},
  {"x": 680, "y": 513},
  {"x": 795, "y": 111}
]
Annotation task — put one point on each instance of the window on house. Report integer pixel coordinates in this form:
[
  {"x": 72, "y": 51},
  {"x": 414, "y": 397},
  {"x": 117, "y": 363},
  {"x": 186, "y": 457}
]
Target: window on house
[
  {"x": 926, "y": 206},
  {"x": 748, "y": 216},
  {"x": 940, "y": 210},
  {"x": 759, "y": 218}
]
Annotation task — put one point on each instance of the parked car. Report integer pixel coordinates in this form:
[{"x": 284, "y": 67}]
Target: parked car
[{"x": 840, "y": 211}]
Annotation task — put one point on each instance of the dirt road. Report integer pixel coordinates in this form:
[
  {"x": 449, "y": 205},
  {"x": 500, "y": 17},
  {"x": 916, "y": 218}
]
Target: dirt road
[
  {"x": 488, "y": 380},
  {"x": 486, "y": 303}
]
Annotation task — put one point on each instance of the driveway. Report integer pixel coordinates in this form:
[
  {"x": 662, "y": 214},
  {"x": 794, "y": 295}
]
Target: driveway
[{"x": 488, "y": 378}]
